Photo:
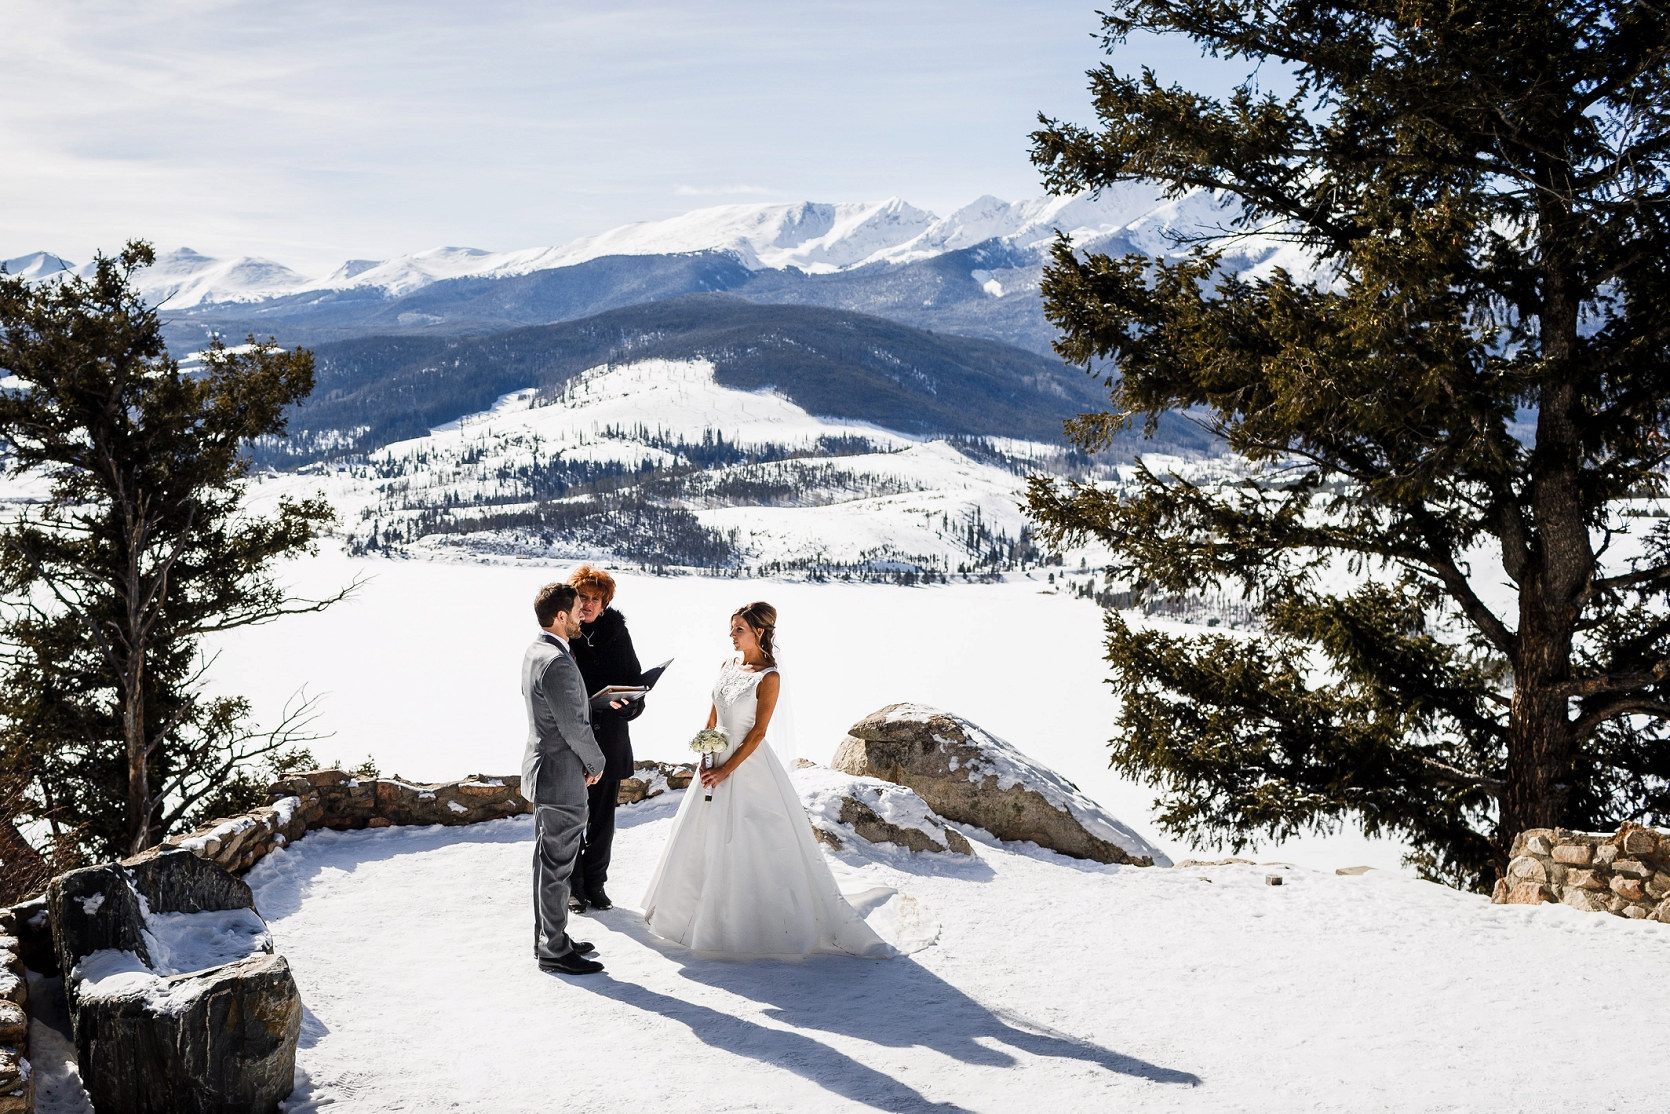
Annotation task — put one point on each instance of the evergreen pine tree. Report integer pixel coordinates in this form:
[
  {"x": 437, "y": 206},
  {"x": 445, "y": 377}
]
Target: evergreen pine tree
[
  {"x": 1461, "y": 637},
  {"x": 138, "y": 545}
]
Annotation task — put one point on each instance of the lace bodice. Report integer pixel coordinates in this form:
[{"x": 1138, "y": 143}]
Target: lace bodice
[{"x": 735, "y": 701}]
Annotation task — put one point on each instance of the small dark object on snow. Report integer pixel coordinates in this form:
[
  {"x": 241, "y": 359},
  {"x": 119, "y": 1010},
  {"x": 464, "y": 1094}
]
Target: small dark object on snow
[{"x": 1272, "y": 879}]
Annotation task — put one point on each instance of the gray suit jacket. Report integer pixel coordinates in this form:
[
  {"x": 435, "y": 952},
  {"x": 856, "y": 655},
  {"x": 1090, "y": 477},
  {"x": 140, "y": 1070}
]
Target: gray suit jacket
[{"x": 561, "y": 745}]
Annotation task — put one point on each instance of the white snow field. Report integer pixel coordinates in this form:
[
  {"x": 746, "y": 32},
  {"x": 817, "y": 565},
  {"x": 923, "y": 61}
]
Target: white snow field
[
  {"x": 1054, "y": 985},
  {"x": 420, "y": 670}
]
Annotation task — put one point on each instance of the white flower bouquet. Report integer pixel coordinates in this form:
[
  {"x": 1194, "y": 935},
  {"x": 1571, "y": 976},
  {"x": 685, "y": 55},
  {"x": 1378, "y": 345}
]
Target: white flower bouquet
[{"x": 708, "y": 742}]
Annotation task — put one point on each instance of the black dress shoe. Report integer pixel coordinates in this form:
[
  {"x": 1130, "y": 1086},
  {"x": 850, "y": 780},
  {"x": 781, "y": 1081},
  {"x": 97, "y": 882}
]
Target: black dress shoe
[
  {"x": 571, "y": 964},
  {"x": 576, "y": 903},
  {"x": 579, "y": 948},
  {"x": 599, "y": 900}
]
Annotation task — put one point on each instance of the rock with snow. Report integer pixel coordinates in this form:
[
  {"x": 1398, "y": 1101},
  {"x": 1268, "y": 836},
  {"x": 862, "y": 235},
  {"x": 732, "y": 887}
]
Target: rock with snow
[
  {"x": 14, "y": 1024},
  {"x": 970, "y": 776},
  {"x": 221, "y": 1041},
  {"x": 14, "y": 984},
  {"x": 93, "y": 909},
  {"x": 843, "y": 805},
  {"x": 17, "y": 1083},
  {"x": 176, "y": 1002},
  {"x": 651, "y": 779},
  {"x": 180, "y": 882}
]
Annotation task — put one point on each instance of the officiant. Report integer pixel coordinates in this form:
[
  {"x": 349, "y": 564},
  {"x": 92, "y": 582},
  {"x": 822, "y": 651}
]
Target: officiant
[{"x": 605, "y": 656}]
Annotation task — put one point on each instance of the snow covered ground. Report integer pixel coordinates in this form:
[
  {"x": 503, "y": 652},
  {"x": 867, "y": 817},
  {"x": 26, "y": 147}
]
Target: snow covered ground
[{"x": 1054, "y": 984}]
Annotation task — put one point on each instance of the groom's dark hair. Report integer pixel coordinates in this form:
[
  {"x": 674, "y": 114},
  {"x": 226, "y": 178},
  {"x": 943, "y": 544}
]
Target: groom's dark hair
[{"x": 551, "y": 599}]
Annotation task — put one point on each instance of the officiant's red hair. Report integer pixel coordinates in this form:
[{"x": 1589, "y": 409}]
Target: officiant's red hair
[{"x": 590, "y": 578}]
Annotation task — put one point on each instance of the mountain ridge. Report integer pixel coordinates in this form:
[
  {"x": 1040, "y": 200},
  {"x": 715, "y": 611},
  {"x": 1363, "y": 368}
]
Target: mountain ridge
[
  {"x": 812, "y": 237},
  {"x": 376, "y": 390}
]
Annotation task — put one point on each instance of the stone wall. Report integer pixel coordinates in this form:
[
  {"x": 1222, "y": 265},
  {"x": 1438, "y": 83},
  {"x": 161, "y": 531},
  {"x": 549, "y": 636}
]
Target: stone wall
[
  {"x": 1626, "y": 873},
  {"x": 340, "y": 801},
  {"x": 17, "y": 1085}
]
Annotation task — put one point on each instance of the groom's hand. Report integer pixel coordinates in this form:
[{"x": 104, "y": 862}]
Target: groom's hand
[{"x": 592, "y": 779}]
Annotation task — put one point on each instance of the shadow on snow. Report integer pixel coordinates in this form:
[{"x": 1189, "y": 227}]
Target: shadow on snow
[{"x": 896, "y": 1004}]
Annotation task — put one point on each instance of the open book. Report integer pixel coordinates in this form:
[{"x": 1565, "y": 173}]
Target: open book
[{"x": 608, "y": 694}]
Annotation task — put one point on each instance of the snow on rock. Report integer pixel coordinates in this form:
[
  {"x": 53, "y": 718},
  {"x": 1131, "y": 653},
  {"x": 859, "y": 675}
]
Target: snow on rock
[
  {"x": 183, "y": 943},
  {"x": 177, "y": 1000},
  {"x": 874, "y": 810},
  {"x": 971, "y": 776}
]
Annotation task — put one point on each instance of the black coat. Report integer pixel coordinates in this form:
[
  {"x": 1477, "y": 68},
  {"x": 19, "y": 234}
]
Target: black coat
[{"x": 605, "y": 656}]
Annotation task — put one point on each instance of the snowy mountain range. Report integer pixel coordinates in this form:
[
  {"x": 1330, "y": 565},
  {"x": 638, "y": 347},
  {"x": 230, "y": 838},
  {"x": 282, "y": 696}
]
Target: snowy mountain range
[{"x": 813, "y": 238}]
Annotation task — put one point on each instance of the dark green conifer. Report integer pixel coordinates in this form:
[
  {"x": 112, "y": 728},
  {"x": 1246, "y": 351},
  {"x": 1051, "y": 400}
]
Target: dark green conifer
[
  {"x": 138, "y": 545},
  {"x": 1460, "y": 396}
]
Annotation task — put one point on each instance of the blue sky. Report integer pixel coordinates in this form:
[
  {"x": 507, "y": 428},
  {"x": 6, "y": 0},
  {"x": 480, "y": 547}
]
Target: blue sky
[{"x": 312, "y": 132}]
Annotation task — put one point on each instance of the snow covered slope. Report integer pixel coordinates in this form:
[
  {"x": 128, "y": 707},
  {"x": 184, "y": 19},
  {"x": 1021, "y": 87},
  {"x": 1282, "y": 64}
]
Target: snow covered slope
[
  {"x": 37, "y": 265},
  {"x": 182, "y": 278},
  {"x": 753, "y": 479}
]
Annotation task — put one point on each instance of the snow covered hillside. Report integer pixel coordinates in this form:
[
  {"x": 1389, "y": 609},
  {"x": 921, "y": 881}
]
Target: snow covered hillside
[{"x": 654, "y": 463}]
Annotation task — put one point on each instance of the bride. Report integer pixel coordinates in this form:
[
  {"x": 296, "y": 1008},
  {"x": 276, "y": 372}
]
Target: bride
[{"x": 741, "y": 873}]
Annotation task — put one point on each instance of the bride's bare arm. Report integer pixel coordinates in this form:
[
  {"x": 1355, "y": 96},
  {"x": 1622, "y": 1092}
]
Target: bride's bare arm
[
  {"x": 712, "y": 717},
  {"x": 766, "y": 694}
]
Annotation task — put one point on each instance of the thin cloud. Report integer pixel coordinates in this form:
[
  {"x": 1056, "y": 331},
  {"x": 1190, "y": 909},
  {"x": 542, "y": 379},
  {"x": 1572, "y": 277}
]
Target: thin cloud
[{"x": 719, "y": 191}]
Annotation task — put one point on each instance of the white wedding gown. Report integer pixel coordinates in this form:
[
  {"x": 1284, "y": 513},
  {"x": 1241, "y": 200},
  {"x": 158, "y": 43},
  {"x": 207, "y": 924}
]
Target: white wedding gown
[{"x": 742, "y": 875}]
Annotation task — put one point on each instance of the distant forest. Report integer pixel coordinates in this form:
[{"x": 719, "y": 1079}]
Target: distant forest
[{"x": 643, "y": 514}]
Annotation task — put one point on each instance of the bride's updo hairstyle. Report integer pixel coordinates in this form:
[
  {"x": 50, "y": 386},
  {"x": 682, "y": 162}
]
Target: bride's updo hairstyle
[{"x": 761, "y": 618}]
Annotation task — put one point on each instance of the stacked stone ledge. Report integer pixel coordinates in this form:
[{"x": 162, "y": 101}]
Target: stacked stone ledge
[
  {"x": 17, "y": 1084},
  {"x": 1626, "y": 873}
]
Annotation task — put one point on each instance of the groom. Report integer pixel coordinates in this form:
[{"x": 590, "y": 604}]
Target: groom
[{"x": 562, "y": 759}]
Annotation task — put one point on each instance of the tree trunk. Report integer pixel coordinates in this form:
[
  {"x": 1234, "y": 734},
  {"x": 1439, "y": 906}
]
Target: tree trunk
[
  {"x": 1556, "y": 571},
  {"x": 139, "y": 781}
]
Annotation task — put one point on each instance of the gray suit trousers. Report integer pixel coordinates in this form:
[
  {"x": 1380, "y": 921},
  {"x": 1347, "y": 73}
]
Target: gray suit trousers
[{"x": 556, "y": 848}]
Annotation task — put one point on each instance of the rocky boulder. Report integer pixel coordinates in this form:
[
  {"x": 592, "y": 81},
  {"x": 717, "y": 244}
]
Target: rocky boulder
[
  {"x": 210, "y": 1042},
  {"x": 176, "y": 1002},
  {"x": 842, "y": 805},
  {"x": 970, "y": 776},
  {"x": 94, "y": 909},
  {"x": 31, "y": 924},
  {"x": 17, "y": 1082}
]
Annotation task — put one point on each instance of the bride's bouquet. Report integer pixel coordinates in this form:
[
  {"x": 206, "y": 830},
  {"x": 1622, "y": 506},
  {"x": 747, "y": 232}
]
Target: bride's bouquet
[{"x": 708, "y": 742}]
